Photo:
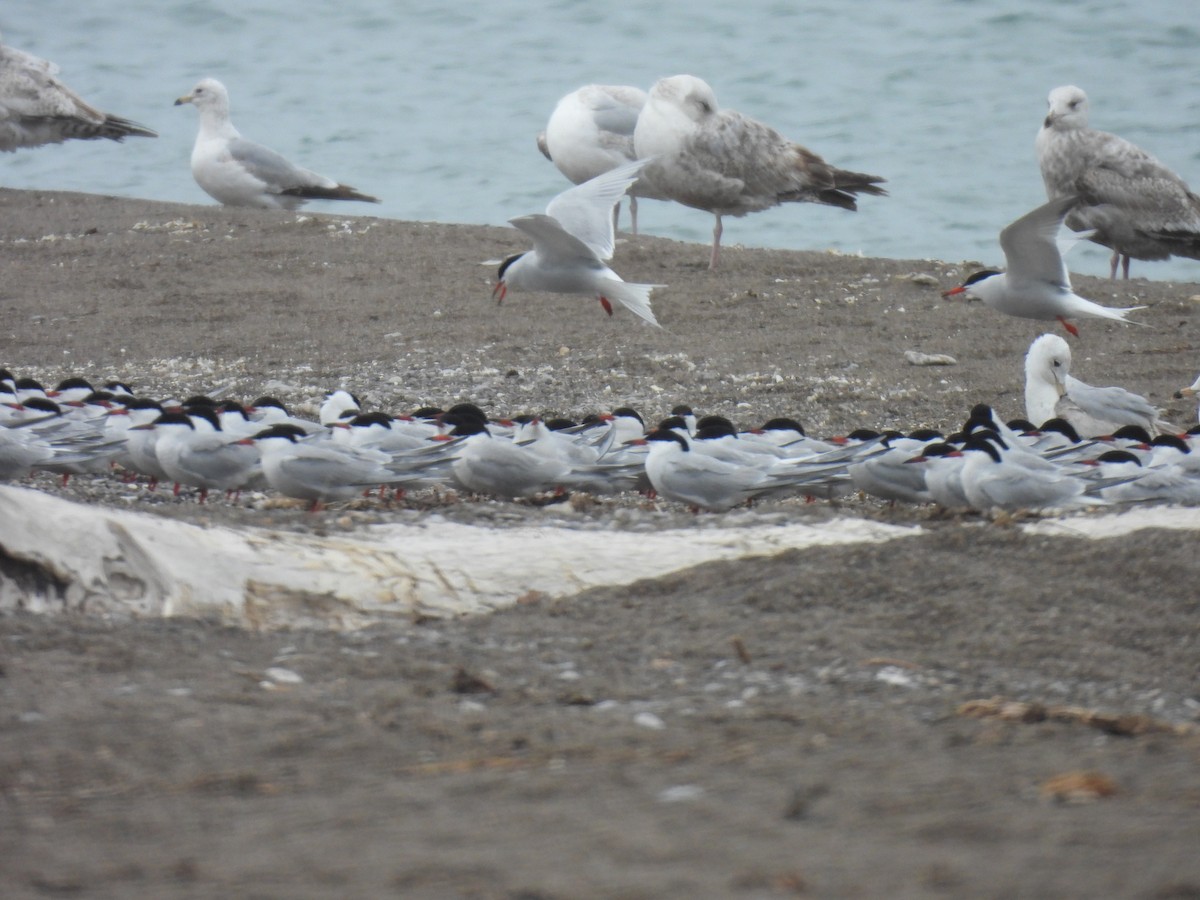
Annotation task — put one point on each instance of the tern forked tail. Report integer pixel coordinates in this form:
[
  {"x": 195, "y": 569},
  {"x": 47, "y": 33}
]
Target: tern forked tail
[{"x": 634, "y": 297}]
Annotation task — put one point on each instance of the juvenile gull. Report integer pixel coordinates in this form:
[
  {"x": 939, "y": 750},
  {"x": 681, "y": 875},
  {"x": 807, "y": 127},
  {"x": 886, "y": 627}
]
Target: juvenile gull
[
  {"x": 238, "y": 172},
  {"x": 1132, "y": 202},
  {"x": 36, "y": 108},
  {"x": 590, "y": 132},
  {"x": 1037, "y": 284},
  {"x": 729, "y": 164}
]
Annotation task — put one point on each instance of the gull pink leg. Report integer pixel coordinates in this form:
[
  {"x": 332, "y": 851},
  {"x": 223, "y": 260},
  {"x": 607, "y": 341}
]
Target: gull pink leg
[{"x": 716, "y": 247}]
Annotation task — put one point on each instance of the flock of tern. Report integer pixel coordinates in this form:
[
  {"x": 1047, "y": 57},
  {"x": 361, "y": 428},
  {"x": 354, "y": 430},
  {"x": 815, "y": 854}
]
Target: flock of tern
[{"x": 707, "y": 464}]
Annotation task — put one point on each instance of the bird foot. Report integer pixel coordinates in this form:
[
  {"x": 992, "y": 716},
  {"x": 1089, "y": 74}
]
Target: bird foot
[{"x": 1067, "y": 325}]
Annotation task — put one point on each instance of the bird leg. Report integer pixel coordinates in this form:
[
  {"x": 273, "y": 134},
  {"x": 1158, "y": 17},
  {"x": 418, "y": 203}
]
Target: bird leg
[
  {"x": 716, "y": 247},
  {"x": 1123, "y": 259},
  {"x": 633, "y": 214},
  {"x": 607, "y": 306},
  {"x": 1067, "y": 325}
]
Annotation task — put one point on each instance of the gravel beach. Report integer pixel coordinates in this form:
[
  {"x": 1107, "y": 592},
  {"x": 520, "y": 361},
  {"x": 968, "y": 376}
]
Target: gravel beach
[{"x": 986, "y": 709}]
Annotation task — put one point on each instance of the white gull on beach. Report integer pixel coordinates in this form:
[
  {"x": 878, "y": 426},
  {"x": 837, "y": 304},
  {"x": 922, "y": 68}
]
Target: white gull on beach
[
  {"x": 1132, "y": 202},
  {"x": 1036, "y": 284},
  {"x": 1052, "y": 391},
  {"x": 590, "y": 132},
  {"x": 238, "y": 172},
  {"x": 36, "y": 108},
  {"x": 730, "y": 164}
]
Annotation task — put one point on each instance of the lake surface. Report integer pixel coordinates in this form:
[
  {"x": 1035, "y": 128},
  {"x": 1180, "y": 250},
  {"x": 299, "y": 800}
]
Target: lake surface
[{"x": 434, "y": 108}]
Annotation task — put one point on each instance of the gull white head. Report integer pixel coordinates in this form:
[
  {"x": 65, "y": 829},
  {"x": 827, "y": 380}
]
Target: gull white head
[
  {"x": 1068, "y": 108},
  {"x": 208, "y": 96},
  {"x": 1047, "y": 364},
  {"x": 689, "y": 96}
]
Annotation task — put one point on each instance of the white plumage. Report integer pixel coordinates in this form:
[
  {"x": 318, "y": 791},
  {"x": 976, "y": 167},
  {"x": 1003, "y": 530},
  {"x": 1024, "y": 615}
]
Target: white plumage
[{"x": 238, "y": 172}]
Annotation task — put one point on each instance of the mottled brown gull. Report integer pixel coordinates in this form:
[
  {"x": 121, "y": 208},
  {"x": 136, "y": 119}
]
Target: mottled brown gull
[
  {"x": 1132, "y": 202},
  {"x": 730, "y": 164},
  {"x": 36, "y": 108}
]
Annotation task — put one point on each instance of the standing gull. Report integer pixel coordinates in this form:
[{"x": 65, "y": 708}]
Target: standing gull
[
  {"x": 238, "y": 172},
  {"x": 729, "y": 164},
  {"x": 572, "y": 242},
  {"x": 1037, "y": 284},
  {"x": 590, "y": 132},
  {"x": 1134, "y": 204},
  {"x": 36, "y": 108}
]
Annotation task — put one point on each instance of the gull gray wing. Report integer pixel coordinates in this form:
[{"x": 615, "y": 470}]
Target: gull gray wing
[
  {"x": 273, "y": 168},
  {"x": 1112, "y": 404},
  {"x": 616, "y": 109}
]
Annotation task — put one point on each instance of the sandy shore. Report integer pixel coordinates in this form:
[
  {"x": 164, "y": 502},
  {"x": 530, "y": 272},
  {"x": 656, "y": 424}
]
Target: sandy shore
[{"x": 784, "y": 726}]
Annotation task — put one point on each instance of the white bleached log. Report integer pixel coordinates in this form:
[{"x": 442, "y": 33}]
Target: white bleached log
[{"x": 57, "y": 555}]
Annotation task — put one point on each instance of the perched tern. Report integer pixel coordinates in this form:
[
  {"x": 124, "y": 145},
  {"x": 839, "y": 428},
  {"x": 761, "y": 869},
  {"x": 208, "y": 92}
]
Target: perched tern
[
  {"x": 590, "y": 132},
  {"x": 193, "y": 450},
  {"x": 318, "y": 469},
  {"x": 571, "y": 243},
  {"x": 730, "y": 164},
  {"x": 36, "y": 108},
  {"x": 996, "y": 478},
  {"x": 1191, "y": 390},
  {"x": 339, "y": 405},
  {"x": 1051, "y": 390},
  {"x": 238, "y": 172},
  {"x": 1036, "y": 284},
  {"x": 698, "y": 479},
  {"x": 492, "y": 464},
  {"x": 1129, "y": 201}
]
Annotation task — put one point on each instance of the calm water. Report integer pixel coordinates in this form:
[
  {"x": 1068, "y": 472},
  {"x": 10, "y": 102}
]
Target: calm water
[{"x": 435, "y": 109}]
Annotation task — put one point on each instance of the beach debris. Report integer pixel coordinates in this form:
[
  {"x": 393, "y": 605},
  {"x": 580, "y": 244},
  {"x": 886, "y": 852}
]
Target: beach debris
[
  {"x": 1078, "y": 787},
  {"x": 1132, "y": 725},
  {"x": 917, "y": 358},
  {"x": 465, "y": 682}
]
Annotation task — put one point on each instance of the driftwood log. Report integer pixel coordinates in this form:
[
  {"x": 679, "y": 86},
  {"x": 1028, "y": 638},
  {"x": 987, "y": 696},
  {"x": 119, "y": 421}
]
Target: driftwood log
[{"x": 57, "y": 555}]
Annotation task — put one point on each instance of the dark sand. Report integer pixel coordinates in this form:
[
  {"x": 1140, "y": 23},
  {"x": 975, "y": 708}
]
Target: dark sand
[{"x": 776, "y": 727}]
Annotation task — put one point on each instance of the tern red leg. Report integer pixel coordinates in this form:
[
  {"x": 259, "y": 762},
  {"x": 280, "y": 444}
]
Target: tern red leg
[
  {"x": 607, "y": 306},
  {"x": 1067, "y": 325}
]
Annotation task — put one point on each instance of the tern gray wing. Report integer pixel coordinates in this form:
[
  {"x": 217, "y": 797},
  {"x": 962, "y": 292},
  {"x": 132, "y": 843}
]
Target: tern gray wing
[
  {"x": 551, "y": 241},
  {"x": 585, "y": 211},
  {"x": 1030, "y": 248}
]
